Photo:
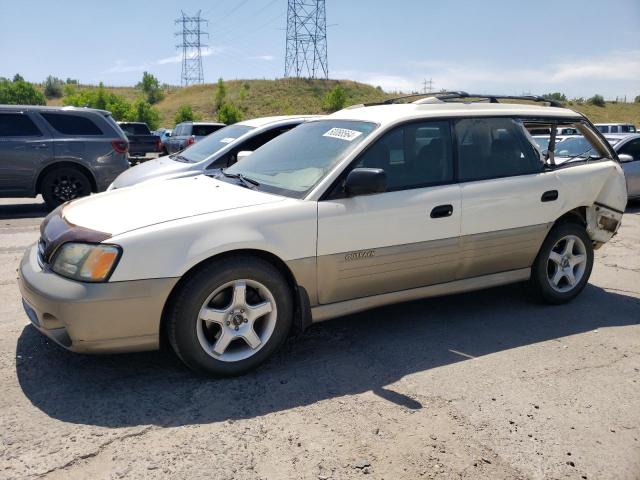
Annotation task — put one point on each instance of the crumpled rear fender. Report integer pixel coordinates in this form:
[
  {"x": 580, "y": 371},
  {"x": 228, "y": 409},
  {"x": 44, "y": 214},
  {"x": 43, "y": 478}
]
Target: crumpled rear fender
[{"x": 605, "y": 215}]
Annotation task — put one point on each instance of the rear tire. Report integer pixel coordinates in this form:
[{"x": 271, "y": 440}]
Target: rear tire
[
  {"x": 563, "y": 265},
  {"x": 63, "y": 184},
  {"x": 230, "y": 316}
]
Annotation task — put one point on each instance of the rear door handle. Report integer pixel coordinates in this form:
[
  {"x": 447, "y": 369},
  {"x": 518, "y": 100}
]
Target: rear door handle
[
  {"x": 442, "y": 211},
  {"x": 549, "y": 196}
]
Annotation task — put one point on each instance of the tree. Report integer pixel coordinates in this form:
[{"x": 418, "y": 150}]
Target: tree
[
  {"x": 184, "y": 114},
  {"x": 53, "y": 87},
  {"x": 637, "y": 99},
  {"x": 228, "y": 113},
  {"x": 71, "y": 81},
  {"x": 142, "y": 111},
  {"x": 221, "y": 94},
  {"x": 18, "y": 78},
  {"x": 151, "y": 88},
  {"x": 597, "y": 100},
  {"x": 556, "y": 96},
  {"x": 20, "y": 93},
  {"x": 335, "y": 100},
  {"x": 98, "y": 98}
]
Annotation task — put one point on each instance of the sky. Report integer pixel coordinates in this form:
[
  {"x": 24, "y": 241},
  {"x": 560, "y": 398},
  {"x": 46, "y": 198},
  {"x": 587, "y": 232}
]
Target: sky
[{"x": 508, "y": 47}]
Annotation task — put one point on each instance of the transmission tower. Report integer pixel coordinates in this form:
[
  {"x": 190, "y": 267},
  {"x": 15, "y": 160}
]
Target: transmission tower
[
  {"x": 306, "y": 53},
  {"x": 191, "y": 46}
]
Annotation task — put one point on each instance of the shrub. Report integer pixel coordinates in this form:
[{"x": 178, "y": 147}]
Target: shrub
[
  {"x": 221, "y": 94},
  {"x": 151, "y": 88},
  {"x": 53, "y": 87},
  {"x": 557, "y": 96},
  {"x": 335, "y": 100},
  {"x": 228, "y": 113},
  {"x": 637, "y": 99},
  {"x": 142, "y": 111},
  {"x": 18, "y": 78},
  {"x": 98, "y": 98},
  {"x": 184, "y": 114},
  {"x": 597, "y": 100},
  {"x": 20, "y": 93}
]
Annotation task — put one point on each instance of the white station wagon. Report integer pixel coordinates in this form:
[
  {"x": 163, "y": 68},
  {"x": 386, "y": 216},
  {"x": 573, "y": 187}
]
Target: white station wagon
[{"x": 369, "y": 206}]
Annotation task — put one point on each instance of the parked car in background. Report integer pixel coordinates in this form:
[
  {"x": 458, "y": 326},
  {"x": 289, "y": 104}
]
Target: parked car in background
[
  {"x": 60, "y": 152},
  {"x": 188, "y": 133},
  {"x": 219, "y": 150},
  {"x": 163, "y": 133},
  {"x": 606, "y": 128},
  {"x": 628, "y": 149},
  {"x": 141, "y": 141},
  {"x": 370, "y": 206}
]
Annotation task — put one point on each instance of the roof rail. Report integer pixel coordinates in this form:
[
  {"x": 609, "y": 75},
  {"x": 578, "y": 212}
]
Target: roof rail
[{"x": 453, "y": 95}]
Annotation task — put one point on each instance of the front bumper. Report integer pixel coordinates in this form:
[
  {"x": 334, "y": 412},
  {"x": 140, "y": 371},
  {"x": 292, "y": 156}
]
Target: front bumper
[{"x": 93, "y": 317}]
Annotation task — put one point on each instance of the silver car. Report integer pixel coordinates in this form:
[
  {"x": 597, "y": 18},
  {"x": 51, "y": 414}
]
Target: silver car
[
  {"x": 188, "y": 133},
  {"x": 219, "y": 150},
  {"x": 59, "y": 152},
  {"x": 628, "y": 149}
]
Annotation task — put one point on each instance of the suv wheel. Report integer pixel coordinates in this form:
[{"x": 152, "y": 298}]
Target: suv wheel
[
  {"x": 63, "y": 184},
  {"x": 230, "y": 316},
  {"x": 563, "y": 265}
]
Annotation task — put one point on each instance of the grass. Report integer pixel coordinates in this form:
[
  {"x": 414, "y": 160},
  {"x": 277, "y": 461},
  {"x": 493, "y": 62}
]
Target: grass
[{"x": 258, "y": 98}]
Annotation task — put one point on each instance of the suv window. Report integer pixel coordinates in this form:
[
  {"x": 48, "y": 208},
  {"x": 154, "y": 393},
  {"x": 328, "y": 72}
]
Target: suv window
[
  {"x": 494, "y": 147},
  {"x": 414, "y": 155},
  {"x": 204, "y": 130},
  {"x": 184, "y": 129},
  {"x": 17, "y": 125},
  {"x": 71, "y": 124},
  {"x": 632, "y": 148},
  {"x": 613, "y": 129}
]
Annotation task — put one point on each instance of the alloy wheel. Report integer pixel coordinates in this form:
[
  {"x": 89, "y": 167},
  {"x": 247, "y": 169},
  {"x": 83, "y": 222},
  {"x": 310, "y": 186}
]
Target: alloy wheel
[{"x": 566, "y": 263}]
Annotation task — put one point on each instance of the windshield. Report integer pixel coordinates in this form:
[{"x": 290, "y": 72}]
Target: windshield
[
  {"x": 293, "y": 163},
  {"x": 543, "y": 142},
  {"x": 213, "y": 143}
]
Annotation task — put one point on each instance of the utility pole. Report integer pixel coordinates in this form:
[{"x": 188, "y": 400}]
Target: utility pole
[
  {"x": 306, "y": 48},
  {"x": 191, "y": 46}
]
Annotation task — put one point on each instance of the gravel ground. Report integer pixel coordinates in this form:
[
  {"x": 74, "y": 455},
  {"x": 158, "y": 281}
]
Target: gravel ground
[{"x": 486, "y": 385}]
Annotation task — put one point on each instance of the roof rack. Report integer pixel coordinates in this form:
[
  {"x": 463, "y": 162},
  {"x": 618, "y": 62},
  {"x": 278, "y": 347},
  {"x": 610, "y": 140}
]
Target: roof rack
[{"x": 453, "y": 95}]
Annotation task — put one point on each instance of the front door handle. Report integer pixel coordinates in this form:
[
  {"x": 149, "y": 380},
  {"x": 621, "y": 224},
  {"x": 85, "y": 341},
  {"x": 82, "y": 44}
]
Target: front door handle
[
  {"x": 442, "y": 211},
  {"x": 549, "y": 196}
]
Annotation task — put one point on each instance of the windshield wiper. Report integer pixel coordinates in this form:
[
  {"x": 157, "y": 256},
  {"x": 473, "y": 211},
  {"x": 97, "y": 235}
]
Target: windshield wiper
[
  {"x": 180, "y": 158},
  {"x": 587, "y": 157},
  {"x": 246, "y": 181}
]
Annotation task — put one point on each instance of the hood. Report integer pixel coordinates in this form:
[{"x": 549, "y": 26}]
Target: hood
[
  {"x": 119, "y": 211},
  {"x": 163, "y": 167}
]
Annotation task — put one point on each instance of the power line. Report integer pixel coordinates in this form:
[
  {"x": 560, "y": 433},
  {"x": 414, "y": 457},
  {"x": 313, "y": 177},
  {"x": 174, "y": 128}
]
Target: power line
[
  {"x": 191, "y": 46},
  {"x": 306, "y": 48}
]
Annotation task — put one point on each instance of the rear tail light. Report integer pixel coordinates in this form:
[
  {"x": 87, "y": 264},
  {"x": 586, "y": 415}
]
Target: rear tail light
[
  {"x": 191, "y": 140},
  {"x": 120, "y": 146},
  {"x": 158, "y": 145}
]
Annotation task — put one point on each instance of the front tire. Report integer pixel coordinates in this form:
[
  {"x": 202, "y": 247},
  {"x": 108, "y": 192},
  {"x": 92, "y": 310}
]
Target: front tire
[
  {"x": 563, "y": 265},
  {"x": 230, "y": 316}
]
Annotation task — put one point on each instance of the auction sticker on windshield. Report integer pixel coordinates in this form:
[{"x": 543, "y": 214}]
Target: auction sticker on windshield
[
  {"x": 227, "y": 140},
  {"x": 343, "y": 134}
]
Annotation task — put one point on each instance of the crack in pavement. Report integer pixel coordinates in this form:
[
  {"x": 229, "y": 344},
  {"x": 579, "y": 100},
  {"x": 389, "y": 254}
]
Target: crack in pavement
[{"x": 97, "y": 451}]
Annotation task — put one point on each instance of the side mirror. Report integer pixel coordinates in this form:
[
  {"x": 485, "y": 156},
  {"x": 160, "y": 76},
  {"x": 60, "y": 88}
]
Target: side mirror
[
  {"x": 243, "y": 154},
  {"x": 365, "y": 181},
  {"x": 625, "y": 157}
]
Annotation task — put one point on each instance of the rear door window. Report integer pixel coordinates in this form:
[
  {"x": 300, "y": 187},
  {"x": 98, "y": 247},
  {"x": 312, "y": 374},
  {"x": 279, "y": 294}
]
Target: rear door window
[
  {"x": 135, "y": 129},
  {"x": 613, "y": 129},
  {"x": 17, "y": 125},
  {"x": 493, "y": 148},
  {"x": 71, "y": 124}
]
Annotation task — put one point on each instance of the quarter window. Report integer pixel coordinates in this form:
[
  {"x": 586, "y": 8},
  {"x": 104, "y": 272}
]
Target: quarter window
[
  {"x": 493, "y": 148},
  {"x": 71, "y": 124},
  {"x": 17, "y": 125},
  {"x": 413, "y": 156}
]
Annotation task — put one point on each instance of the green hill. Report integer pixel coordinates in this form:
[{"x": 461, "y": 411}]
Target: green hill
[{"x": 257, "y": 98}]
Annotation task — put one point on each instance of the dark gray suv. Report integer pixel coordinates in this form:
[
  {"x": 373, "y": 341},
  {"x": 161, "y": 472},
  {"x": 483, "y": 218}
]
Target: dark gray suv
[{"x": 59, "y": 152}]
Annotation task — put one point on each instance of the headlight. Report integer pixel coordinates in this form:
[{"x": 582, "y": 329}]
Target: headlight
[{"x": 86, "y": 262}]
